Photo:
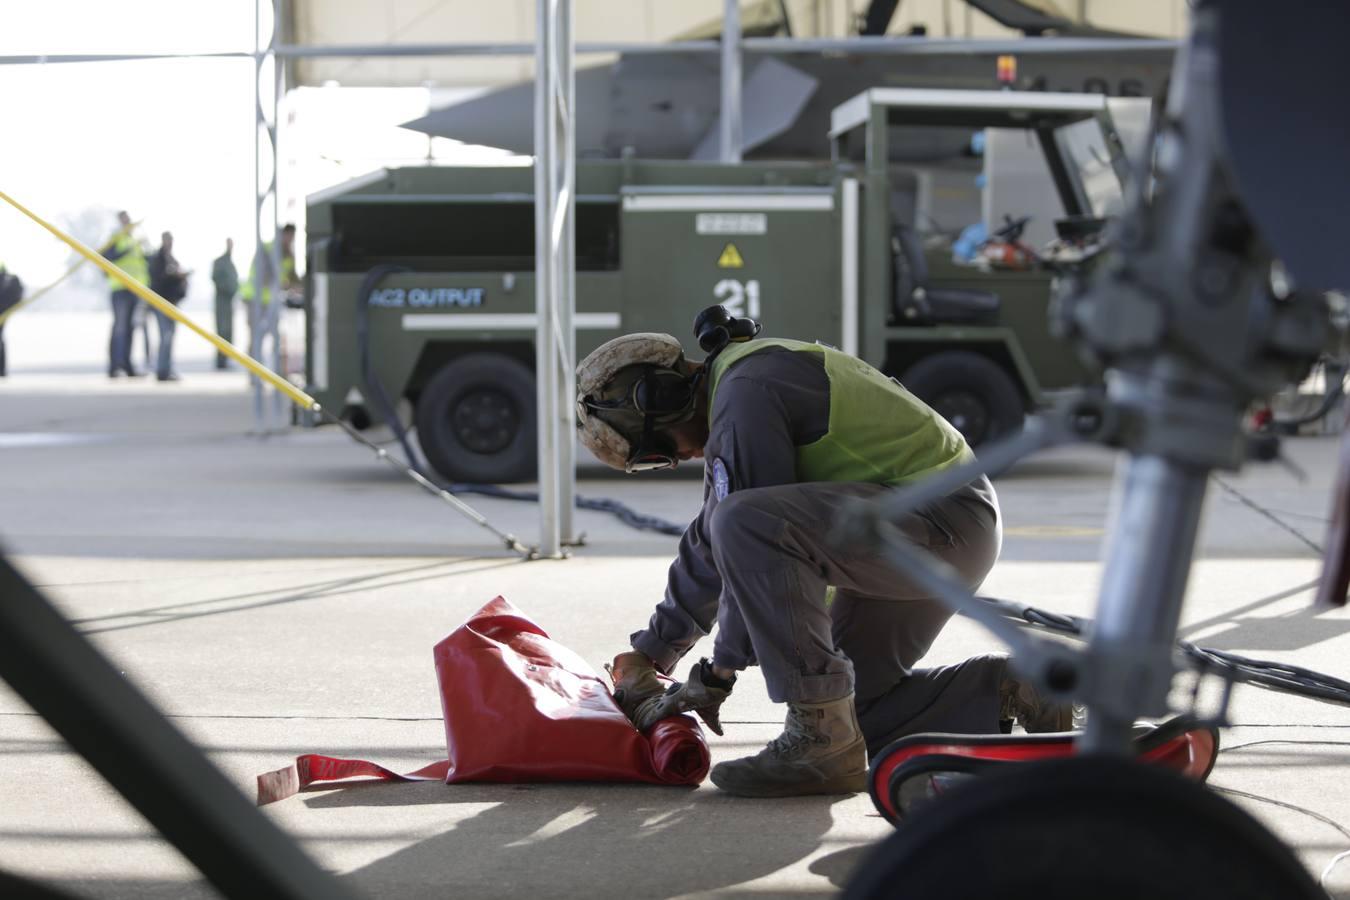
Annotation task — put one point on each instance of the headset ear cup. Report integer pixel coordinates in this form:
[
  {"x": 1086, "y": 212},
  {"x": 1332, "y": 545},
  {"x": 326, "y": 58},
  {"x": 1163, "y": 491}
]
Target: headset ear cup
[
  {"x": 710, "y": 328},
  {"x": 741, "y": 330}
]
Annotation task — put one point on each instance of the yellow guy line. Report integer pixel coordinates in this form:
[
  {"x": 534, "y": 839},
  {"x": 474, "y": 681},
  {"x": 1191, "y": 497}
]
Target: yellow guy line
[
  {"x": 297, "y": 396},
  {"x": 36, "y": 295},
  {"x": 42, "y": 291}
]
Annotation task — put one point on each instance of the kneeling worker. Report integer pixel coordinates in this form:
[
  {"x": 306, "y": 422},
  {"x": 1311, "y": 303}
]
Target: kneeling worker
[{"x": 791, "y": 432}]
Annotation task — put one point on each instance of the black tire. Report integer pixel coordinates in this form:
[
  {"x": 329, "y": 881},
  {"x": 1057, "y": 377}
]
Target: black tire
[
  {"x": 970, "y": 391},
  {"x": 476, "y": 420},
  {"x": 1088, "y": 827}
]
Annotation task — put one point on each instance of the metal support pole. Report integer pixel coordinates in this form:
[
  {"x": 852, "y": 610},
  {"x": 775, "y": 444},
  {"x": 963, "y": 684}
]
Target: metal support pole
[
  {"x": 1143, "y": 585},
  {"x": 266, "y": 262},
  {"x": 276, "y": 414},
  {"x": 731, "y": 82},
  {"x": 259, "y": 197},
  {"x": 555, "y": 271},
  {"x": 567, "y": 302}
]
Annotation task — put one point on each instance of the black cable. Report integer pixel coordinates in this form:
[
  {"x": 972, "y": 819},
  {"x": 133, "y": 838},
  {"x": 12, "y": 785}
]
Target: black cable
[
  {"x": 1264, "y": 741},
  {"x": 1333, "y": 394},
  {"x": 1339, "y": 857},
  {"x": 1266, "y": 514},
  {"x": 1276, "y": 676},
  {"x": 621, "y": 511},
  {"x": 375, "y": 387},
  {"x": 1316, "y": 815},
  {"x": 385, "y": 408}
]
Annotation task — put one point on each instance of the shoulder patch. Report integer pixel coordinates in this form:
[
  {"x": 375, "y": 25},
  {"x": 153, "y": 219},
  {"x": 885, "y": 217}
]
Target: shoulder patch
[{"x": 721, "y": 479}]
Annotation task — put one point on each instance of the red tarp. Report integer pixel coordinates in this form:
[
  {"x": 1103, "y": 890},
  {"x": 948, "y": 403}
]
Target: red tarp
[{"x": 519, "y": 707}]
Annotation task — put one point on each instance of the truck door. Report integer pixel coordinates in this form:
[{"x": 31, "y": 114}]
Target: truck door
[{"x": 772, "y": 254}]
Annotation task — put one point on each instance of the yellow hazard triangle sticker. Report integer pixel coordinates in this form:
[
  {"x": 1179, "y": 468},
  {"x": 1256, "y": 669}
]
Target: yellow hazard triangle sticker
[{"x": 730, "y": 258}]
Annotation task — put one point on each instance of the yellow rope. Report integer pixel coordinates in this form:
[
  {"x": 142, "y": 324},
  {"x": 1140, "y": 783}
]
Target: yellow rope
[
  {"x": 37, "y": 295},
  {"x": 297, "y": 396},
  {"x": 41, "y": 292}
]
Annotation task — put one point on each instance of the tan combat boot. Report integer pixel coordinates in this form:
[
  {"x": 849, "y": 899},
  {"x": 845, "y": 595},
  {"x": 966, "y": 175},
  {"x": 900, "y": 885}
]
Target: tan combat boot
[
  {"x": 821, "y": 751},
  {"x": 1021, "y": 701}
]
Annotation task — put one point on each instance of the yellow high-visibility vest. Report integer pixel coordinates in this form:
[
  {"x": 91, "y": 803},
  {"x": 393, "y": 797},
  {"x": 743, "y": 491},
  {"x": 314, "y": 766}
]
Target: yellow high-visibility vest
[
  {"x": 287, "y": 277},
  {"x": 132, "y": 261}
]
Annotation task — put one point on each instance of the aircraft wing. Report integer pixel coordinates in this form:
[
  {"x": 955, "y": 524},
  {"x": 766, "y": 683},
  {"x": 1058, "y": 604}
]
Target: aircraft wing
[
  {"x": 1030, "y": 19},
  {"x": 504, "y": 117},
  {"x": 771, "y": 100}
]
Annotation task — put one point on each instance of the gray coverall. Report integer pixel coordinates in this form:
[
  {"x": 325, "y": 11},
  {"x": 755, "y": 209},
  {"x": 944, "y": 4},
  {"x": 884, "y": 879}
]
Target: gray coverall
[{"x": 757, "y": 562}]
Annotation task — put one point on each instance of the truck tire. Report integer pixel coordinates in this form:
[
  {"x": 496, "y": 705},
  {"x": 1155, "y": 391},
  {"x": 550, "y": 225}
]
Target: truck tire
[
  {"x": 970, "y": 391},
  {"x": 476, "y": 420}
]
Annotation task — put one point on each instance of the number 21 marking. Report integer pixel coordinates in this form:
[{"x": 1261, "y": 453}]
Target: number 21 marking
[{"x": 740, "y": 298}]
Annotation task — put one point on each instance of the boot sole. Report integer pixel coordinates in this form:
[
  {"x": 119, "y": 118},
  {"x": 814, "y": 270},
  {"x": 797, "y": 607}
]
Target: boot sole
[{"x": 843, "y": 784}]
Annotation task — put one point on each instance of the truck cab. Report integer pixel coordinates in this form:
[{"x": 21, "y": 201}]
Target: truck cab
[{"x": 974, "y": 340}]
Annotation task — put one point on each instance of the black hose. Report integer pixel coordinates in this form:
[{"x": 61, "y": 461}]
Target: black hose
[
  {"x": 1276, "y": 676},
  {"x": 379, "y": 396},
  {"x": 375, "y": 387},
  {"x": 1328, "y": 402},
  {"x": 621, "y": 511}
]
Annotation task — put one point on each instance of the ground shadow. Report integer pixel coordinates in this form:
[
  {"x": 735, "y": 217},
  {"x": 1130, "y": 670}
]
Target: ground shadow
[
  {"x": 840, "y": 865},
  {"x": 329, "y": 587},
  {"x": 127, "y": 889},
  {"x": 1297, "y": 629},
  {"x": 550, "y": 840}
]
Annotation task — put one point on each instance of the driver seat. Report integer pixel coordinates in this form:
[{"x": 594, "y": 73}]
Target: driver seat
[{"x": 916, "y": 303}]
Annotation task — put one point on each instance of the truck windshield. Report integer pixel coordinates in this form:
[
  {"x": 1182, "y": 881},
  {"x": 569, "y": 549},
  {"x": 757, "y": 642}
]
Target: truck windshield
[{"x": 1083, "y": 146}]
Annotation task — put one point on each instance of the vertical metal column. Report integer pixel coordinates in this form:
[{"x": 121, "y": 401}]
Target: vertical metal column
[
  {"x": 276, "y": 414},
  {"x": 567, "y": 303},
  {"x": 1155, "y": 522},
  {"x": 555, "y": 271},
  {"x": 731, "y": 82},
  {"x": 261, "y": 312},
  {"x": 848, "y": 265}
]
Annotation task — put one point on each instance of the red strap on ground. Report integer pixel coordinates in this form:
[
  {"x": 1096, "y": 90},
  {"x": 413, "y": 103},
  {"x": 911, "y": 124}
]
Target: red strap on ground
[{"x": 520, "y": 707}]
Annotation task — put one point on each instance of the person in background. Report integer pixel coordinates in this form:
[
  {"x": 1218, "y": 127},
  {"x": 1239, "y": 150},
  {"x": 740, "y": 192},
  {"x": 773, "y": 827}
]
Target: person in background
[
  {"x": 226, "y": 279},
  {"x": 261, "y": 314},
  {"x": 169, "y": 280},
  {"x": 123, "y": 249},
  {"x": 11, "y": 292}
]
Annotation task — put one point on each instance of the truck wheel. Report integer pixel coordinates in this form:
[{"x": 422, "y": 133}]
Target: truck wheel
[
  {"x": 970, "y": 391},
  {"x": 475, "y": 420}
]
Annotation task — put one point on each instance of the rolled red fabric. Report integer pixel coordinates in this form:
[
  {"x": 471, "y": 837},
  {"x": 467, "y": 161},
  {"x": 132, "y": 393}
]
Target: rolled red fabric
[{"x": 520, "y": 707}]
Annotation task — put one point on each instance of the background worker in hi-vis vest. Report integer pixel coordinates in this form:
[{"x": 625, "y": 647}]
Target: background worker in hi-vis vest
[
  {"x": 260, "y": 314},
  {"x": 124, "y": 249},
  {"x": 790, "y": 432}
]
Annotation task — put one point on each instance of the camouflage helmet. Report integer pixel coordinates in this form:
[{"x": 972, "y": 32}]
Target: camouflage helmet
[{"x": 608, "y": 424}]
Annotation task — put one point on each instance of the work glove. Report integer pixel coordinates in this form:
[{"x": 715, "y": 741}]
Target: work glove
[
  {"x": 702, "y": 694},
  {"x": 635, "y": 682}
]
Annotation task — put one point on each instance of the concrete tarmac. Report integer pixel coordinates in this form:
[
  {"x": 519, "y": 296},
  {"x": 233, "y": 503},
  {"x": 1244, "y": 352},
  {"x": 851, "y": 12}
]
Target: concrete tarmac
[{"x": 281, "y": 595}]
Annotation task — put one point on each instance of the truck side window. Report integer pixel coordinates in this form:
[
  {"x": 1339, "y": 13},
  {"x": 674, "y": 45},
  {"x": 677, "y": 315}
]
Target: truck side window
[{"x": 476, "y": 236}]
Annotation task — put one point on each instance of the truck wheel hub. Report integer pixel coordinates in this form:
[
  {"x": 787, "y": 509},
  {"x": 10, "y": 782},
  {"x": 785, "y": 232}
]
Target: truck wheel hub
[
  {"x": 966, "y": 412},
  {"x": 485, "y": 421}
]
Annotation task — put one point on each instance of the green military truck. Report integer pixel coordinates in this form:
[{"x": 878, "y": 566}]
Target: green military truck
[{"x": 420, "y": 292}]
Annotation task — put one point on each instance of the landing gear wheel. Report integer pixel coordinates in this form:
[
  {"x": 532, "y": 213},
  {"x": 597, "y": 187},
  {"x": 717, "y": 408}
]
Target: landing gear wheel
[
  {"x": 475, "y": 420},
  {"x": 1087, "y": 827},
  {"x": 970, "y": 391}
]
